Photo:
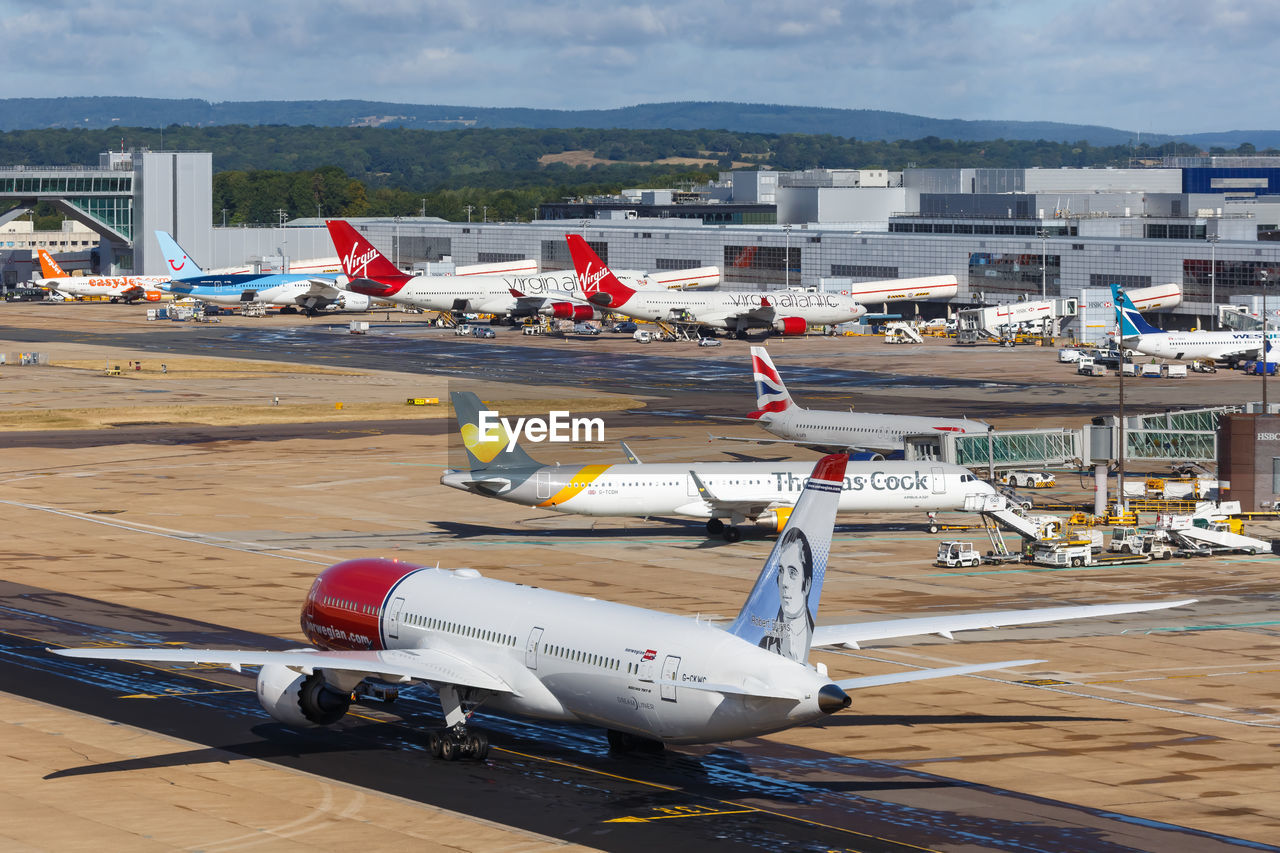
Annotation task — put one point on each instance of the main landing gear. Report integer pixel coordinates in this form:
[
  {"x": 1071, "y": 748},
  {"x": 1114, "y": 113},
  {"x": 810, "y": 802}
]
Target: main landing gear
[{"x": 455, "y": 742}]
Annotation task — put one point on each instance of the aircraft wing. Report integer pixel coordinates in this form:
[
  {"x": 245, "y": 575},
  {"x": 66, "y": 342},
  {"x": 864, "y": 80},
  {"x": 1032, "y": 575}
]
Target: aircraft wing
[
  {"x": 925, "y": 674},
  {"x": 417, "y": 664},
  {"x": 851, "y": 635}
]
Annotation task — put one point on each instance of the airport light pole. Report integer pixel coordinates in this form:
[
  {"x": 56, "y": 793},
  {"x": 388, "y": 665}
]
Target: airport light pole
[
  {"x": 1213, "y": 279},
  {"x": 1266, "y": 367},
  {"x": 470, "y": 208}
]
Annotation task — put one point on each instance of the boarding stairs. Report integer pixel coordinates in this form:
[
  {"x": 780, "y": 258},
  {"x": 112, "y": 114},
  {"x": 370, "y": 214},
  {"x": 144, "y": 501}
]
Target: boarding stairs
[
  {"x": 1001, "y": 512},
  {"x": 1201, "y": 533}
]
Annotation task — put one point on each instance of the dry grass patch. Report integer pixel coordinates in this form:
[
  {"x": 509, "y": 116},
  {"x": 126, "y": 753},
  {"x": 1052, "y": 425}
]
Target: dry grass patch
[
  {"x": 181, "y": 367},
  {"x": 132, "y": 416}
]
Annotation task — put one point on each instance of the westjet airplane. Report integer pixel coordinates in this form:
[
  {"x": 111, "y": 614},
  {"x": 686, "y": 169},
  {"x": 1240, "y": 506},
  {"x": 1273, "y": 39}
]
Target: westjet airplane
[
  {"x": 118, "y": 288},
  {"x": 648, "y": 678},
  {"x": 761, "y": 493},
  {"x": 1136, "y": 333},
  {"x": 556, "y": 294},
  {"x": 865, "y": 435},
  {"x": 291, "y": 291},
  {"x": 787, "y": 312}
]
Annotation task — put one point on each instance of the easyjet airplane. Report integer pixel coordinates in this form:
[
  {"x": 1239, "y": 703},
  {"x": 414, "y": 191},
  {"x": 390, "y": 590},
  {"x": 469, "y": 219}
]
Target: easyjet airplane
[
  {"x": 555, "y": 294},
  {"x": 761, "y": 493},
  {"x": 119, "y": 288},
  {"x": 835, "y": 431},
  {"x": 648, "y": 678}
]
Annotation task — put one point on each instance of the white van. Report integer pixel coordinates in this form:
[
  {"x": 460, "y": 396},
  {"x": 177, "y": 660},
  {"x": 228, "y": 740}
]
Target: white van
[{"x": 641, "y": 336}]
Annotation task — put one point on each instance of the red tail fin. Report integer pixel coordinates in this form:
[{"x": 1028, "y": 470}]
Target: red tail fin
[
  {"x": 362, "y": 262},
  {"x": 599, "y": 285}
]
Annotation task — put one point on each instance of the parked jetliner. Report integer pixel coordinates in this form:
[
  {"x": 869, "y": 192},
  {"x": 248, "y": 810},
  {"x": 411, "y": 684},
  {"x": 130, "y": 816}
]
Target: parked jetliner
[
  {"x": 119, "y": 288},
  {"x": 553, "y": 293},
  {"x": 759, "y": 492},
  {"x": 830, "y": 431},
  {"x": 290, "y": 291},
  {"x": 788, "y": 312},
  {"x": 648, "y": 678},
  {"x": 1138, "y": 334}
]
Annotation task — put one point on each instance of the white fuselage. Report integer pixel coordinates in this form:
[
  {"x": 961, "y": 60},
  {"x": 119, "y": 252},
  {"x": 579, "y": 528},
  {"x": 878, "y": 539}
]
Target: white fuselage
[
  {"x": 740, "y": 310},
  {"x": 114, "y": 286},
  {"x": 597, "y": 662},
  {"x": 669, "y": 489},
  {"x": 486, "y": 294},
  {"x": 853, "y": 429},
  {"x": 896, "y": 290},
  {"x": 1210, "y": 345}
]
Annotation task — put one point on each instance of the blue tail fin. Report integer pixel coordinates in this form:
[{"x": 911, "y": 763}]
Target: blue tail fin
[
  {"x": 779, "y": 614},
  {"x": 178, "y": 264},
  {"x": 1131, "y": 322}
]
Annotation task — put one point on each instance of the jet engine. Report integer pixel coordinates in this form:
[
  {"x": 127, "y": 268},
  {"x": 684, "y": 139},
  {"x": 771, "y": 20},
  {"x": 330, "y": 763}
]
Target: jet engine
[
  {"x": 352, "y": 302},
  {"x": 300, "y": 700},
  {"x": 576, "y": 312},
  {"x": 791, "y": 325},
  {"x": 772, "y": 521},
  {"x": 866, "y": 456}
]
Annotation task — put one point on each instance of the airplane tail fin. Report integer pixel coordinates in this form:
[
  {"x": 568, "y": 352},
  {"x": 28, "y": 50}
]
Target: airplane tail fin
[
  {"x": 779, "y": 614},
  {"x": 771, "y": 393},
  {"x": 370, "y": 271},
  {"x": 599, "y": 285},
  {"x": 493, "y": 451},
  {"x": 1131, "y": 322},
  {"x": 178, "y": 261},
  {"x": 48, "y": 266}
]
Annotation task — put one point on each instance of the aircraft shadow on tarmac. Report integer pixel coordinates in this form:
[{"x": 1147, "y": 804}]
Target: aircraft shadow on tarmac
[
  {"x": 677, "y": 527},
  {"x": 846, "y": 720}
]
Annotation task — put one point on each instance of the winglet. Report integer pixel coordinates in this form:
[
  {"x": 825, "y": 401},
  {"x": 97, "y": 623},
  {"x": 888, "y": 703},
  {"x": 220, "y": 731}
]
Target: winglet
[{"x": 631, "y": 457}]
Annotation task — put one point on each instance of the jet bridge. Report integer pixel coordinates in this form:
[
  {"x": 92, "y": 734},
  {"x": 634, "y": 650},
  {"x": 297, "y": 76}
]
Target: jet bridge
[{"x": 1024, "y": 448}]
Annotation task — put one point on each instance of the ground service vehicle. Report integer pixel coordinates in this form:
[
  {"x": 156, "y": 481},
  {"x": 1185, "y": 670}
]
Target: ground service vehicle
[
  {"x": 641, "y": 336},
  {"x": 1028, "y": 479},
  {"x": 953, "y": 554}
]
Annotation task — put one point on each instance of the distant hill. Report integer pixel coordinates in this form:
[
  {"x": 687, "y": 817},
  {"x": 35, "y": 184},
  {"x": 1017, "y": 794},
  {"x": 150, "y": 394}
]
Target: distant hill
[{"x": 105, "y": 112}]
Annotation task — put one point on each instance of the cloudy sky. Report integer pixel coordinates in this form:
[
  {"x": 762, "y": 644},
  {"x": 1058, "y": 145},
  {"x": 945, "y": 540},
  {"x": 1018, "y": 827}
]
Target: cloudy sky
[{"x": 1174, "y": 66}]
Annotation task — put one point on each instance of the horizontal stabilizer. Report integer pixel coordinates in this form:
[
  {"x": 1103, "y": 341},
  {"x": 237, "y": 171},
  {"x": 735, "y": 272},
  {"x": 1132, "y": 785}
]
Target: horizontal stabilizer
[
  {"x": 852, "y": 635},
  {"x": 758, "y": 690},
  {"x": 926, "y": 674}
]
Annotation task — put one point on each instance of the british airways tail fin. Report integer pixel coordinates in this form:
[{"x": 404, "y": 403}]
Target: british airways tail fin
[
  {"x": 492, "y": 450},
  {"x": 177, "y": 262},
  {"x": 1131, "y": 322},
  {"x": 599, "y": 285},
  {"x": 771, "y": 393},
  {"x": 779, "y": 614},
  {"x": 48, "y": 266}
]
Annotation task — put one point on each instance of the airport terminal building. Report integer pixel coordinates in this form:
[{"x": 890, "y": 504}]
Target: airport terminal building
[{"x": 1006, "y": 234}]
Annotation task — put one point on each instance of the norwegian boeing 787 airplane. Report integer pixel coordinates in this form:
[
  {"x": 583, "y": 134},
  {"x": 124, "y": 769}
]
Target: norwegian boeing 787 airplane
[{"x": 648, "y": 678}]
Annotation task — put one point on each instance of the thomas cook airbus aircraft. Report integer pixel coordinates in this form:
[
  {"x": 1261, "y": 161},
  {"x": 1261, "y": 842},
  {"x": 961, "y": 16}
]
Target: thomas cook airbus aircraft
[
  {"x": 737, "y": 492},
  {"x": 648, "y": 678}
]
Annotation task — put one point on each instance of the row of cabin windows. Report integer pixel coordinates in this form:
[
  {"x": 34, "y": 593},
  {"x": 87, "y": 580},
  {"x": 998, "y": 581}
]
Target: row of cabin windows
[
  {"x": 623, "y": 483},
  {"x": 369, "y": 609},
  {"x": 589, "y": 658},
  {"x": 432, "y": 624},
  {"x": 845, "y": 428}
]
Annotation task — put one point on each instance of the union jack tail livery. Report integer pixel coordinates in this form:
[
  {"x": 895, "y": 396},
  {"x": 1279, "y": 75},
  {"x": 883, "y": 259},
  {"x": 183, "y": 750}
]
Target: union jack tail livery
[
  {"x": 49, "y": 267},
  {"x": 771, "y": 393},
  {"x": 599, "y": 285},
  {"x": 369, "y": 270}
]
